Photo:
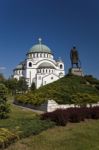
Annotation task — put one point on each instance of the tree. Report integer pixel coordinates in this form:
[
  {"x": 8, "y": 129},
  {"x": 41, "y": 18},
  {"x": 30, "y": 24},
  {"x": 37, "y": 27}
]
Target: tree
[
  {"x": 33, "y": 87},
  {"x": 2, "y": 79},
  {"x": 4, "y": 107},
  {"x": 22, "y": 85},
  {"x": 11, "y": 84}
]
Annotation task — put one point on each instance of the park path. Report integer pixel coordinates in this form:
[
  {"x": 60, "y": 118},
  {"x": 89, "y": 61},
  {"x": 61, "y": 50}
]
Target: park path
[
  {"x": 29, "y": 109},
  {"x": 11, "y": 100}
]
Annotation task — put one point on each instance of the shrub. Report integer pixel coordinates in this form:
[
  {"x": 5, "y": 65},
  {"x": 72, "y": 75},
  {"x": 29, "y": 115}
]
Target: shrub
[
  {"x": 76, "y": 114},
  {"x": 6, "y": 137},
  {"x": 59, "y": 116},
  {"x": 63, "y": 116},
  {"x": 94, "y": 112},
  {"x": 97, "y": 87},
  {"x": 4, "y": 107},
  {"x": 67, "y": 90}
]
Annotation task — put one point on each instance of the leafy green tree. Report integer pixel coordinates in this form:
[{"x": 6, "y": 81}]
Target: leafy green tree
[
  {"x": 4, "y": 107},
  {"x": 22, "y": 85},
  {"x": 33, "y": 87},
  {"x": 2, "y": 78},
  {"x": 12, "y": 85}
]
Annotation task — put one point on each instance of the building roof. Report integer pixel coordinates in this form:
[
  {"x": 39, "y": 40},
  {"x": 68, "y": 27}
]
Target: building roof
[
  {"x": 45, "y": 65},
  {"x": 40, "y": 48},
  {"x": 19, "y": 66}
]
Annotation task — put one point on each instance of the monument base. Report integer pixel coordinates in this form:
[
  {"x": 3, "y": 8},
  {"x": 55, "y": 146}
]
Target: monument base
[{"x": 76, "y": 71}]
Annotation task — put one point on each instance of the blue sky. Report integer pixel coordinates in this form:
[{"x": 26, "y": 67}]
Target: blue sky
[{"x": 60, "y": 23}]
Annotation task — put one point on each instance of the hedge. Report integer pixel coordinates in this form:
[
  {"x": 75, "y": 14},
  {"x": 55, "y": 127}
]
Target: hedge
[{"x": 74, "y": 115}]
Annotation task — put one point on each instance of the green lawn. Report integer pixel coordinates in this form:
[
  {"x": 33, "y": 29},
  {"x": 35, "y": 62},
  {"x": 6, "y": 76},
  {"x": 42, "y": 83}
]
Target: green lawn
[
  {"x": 21, "y": 123},
  {"x": 24, "y": 122},
  {"x": 78, "y": 136},
  {"x": 74, "y": 136}
]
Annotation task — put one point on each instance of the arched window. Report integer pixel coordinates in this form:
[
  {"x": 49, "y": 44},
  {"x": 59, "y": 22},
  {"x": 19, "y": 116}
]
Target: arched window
[
  {"x": 61, "y": 66},
  {"x": 30, "y": 64}
]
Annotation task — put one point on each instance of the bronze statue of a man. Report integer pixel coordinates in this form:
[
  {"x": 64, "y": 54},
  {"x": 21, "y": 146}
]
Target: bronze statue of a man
[{"x": 74, "y": 56}]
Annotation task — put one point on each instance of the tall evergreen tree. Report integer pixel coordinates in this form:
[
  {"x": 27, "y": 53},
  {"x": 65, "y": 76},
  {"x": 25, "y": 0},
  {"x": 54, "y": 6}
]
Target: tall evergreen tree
[{"x": 4, "y": 107}]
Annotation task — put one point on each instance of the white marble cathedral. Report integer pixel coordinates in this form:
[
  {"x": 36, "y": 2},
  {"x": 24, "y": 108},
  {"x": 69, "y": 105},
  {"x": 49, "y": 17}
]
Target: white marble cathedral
[{"x": 39, "y": 66}]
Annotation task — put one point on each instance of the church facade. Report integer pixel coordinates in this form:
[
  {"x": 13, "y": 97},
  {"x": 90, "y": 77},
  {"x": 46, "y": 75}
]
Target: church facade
[{"x": 39, "y": 66}]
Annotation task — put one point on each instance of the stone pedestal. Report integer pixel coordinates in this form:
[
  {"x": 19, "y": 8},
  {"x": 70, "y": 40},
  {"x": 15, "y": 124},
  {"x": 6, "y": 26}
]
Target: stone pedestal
[{"x": 76, "y": 71}]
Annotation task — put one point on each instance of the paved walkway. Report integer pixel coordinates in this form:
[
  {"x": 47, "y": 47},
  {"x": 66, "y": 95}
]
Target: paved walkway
[{"x": 30, "y": 109}]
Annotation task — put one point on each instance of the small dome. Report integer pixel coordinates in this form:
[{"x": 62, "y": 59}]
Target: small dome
[
  {"x": 19, "y": 66},
  {"x": 40, "y": 48}
]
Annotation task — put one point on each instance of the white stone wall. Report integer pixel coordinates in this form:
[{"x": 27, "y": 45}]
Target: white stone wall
[
  {"x": 39, "y": 80},
  {"x": 18, "y": 74},
  {"x": 52, "y": 105},
  {"x": 49, "y": 79}
]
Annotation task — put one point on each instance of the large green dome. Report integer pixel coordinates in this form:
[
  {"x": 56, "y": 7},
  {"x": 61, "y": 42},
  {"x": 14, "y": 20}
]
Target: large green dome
[{"x": 39, "y": 48}]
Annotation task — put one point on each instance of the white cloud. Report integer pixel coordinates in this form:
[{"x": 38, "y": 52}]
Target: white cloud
[{"x": 2, "y": 68}]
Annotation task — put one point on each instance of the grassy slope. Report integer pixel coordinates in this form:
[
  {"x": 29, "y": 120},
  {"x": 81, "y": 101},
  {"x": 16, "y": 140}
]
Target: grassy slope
[
  {"x": 80, "y": 136},
  {"x": 61, "y": 90}
]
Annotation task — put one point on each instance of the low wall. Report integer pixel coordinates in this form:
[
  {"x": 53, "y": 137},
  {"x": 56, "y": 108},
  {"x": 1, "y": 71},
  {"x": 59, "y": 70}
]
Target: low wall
[{"x": 52, "y": 105}]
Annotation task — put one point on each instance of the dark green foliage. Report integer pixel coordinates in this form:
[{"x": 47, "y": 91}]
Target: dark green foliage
[
  {"x": 97, "y": 87},
  {"x": 33, "y": 87},
  {"x": 82, "y": 99},
  {"x": 67, "y": 90},
  {"x": 11, "y": 84},
  {"x": 22, "y": 85},
  {"x": 4, "y": 107},
  {"x": 16, "y": 86},
  {"x": 91, "y": 79},
  {"x": 2, "y": 78}
]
